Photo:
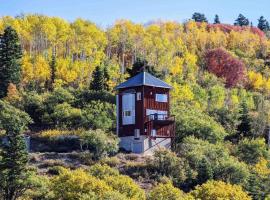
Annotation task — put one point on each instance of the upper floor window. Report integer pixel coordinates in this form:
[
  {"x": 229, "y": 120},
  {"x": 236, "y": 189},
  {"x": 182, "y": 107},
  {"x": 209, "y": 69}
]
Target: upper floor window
[
  {"x": 161, "y": 97},
  {"x": 139, "y": 96}
]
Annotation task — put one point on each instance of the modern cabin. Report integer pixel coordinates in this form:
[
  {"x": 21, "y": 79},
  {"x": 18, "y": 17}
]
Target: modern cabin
[{"x": 144, "y": 122}]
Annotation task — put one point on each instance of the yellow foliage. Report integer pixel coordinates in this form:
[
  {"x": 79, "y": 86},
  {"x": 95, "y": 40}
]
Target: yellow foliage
[
  {"x": 73, "y": 185},
  {"x": 255, "y": 80},
  {"x": 57, "y": 133},
  {"x": 168, "y": 191},
  {"x": 262, "y": 167},
  {"x": 41, "y": 69},
  {"x": 218, "y": 190},
  {"x": 13, "y": 95},
  {"x": 182, "y": 92}
]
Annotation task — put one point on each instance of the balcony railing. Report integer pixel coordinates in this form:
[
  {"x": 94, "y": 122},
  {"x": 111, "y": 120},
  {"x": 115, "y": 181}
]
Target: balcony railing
[{"x": 162, "y": 124}]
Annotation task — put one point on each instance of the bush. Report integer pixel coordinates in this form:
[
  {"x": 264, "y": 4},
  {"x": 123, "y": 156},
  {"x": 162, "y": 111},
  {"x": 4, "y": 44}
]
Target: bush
[
  {"x": 218, "y": 160},
  {"x": 102, "y": 171},
  {"x": 250, "y": 151},
  {"x": 190, "y": 121},
  {"x": 65, "y": 116},
  {"x": 77, "y": 184},
  {"x": 99, "y": 115},
  {"x": 83, "y": 97},
  {"x": 217, "y": 190},
  {"x": 166, "y": 163},
  {"x": 123, "y": 184},
  {"x": 100, "y": 143},
  {"x": 167, "y": 191}
]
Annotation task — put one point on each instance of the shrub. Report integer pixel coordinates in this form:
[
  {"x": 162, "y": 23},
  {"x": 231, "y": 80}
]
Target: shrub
[
  {"x": 123, "y": 184},
  {"x": 223, "y": 166},
  {"x": 100, "y": 143},
  {"x": 99, "y": 115},
  {"x": 166, "y": 163},
  {"x": 74, "y": 185},
  {"x": 102, "y": 171},
  {"x": 250, "y": 151},
  {"x": 190, "y": 121},
  {"x": 65, "y": 116},
  {"x": 167, "y": 191},
  {"x": 217, "y": 190}
]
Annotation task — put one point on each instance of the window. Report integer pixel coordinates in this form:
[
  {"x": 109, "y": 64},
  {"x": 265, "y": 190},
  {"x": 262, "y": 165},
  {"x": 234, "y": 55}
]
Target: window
[
  {"x": 127, "y": 113},
  {"x": 139, "y": 96},
  {"x": 161, "y": 98}
]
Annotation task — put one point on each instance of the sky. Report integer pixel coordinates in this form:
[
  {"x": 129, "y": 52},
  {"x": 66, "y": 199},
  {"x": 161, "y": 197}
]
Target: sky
[{"x": 106, "y": 12}]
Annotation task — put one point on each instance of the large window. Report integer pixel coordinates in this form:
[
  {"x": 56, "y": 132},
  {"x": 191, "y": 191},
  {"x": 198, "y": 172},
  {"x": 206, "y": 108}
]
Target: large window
[
  {"x": 128, "y": 106},
  {"x": 161, "y": 97}
]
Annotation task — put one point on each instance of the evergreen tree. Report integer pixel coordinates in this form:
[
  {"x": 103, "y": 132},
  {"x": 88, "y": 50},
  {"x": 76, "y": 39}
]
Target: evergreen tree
[
  {"x": 216, "y": 20},
  {"x": 14, "y": 157},
  {"x": 241, "y": 21},
  {"x": 244, "y": 127},
  {"x": 263, "y": 24},
  {"x": 98, "y": 79},
  {"x": 10, "y": 55},
  {"x": 205, "y": 172},
  {"x": 142, "y": 65},
  {"x": 53, "y": 71},
  {"x": 199, "y": 17}
]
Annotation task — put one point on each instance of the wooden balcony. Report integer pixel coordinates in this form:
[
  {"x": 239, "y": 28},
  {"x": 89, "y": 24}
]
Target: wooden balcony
[{"x": 163, "y": 126}]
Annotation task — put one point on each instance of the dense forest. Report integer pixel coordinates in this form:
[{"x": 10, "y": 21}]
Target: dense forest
[{"x": 57, "y": 82}]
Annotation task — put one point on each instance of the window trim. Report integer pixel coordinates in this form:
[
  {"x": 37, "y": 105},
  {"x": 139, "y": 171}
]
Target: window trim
[{"x": 163, "y": 98}]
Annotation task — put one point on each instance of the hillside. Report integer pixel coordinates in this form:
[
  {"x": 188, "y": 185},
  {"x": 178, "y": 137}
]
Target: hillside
[{"x": 57, "y": 86}]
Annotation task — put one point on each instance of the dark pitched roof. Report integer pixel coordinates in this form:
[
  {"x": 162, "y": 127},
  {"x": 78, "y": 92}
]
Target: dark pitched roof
[{"x": 143, "y": 78}]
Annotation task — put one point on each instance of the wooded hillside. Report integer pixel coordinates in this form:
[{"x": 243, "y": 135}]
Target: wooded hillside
[{"x": 57, "y": 82}]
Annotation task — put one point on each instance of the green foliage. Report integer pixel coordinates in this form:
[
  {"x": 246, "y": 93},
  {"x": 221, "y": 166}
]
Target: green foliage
[
  {"x": 99, "y": 79},
  {"x": 241, "y": 21},
  {"x": 65, "y": 116},
  {"x": 102, "y": 171},
  {"x": 244, "y": 127},
  {"x": 199, "y": 17},
  {"x": 191, "y": 121},
  {"x": 10, "y": 55},
  {"x": 251, "y": 150},
  {"x": 167, "y": 163},
  {"x": 14, "y": 157},
  {"x": 218, "y": 162},
  {"x": 100, "y": 143},
  {"x": 216, "y": 20},
  {"x": 99, "y": 115},
  {"x": 263, "y": 24}
]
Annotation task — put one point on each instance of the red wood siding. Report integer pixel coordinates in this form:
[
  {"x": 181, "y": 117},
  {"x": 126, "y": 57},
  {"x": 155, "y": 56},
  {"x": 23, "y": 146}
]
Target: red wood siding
[{"x": 147, "y": 102}]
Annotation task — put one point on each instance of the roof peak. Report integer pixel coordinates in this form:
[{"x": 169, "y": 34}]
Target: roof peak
[{"x": 143, "y": 78}]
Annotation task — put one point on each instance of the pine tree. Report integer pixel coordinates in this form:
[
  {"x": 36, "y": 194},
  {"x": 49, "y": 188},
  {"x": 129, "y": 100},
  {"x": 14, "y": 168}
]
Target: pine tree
[
  {"x": 205, "y": 171},
  {"x": 199, "y": 17},
  {"x": 241, "y": 21},
  {"x": 244, "y": 127},
  {"x": 14, "y": 157},
  {"x": 263, "y": 24},
  {"x": 142, "y": 65},
  {"x": 53, "y": 71},
  {"x": 216, "y": 20},
  {"x": 98, "y": 79},
  {"x": 10, "y": 56}
]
